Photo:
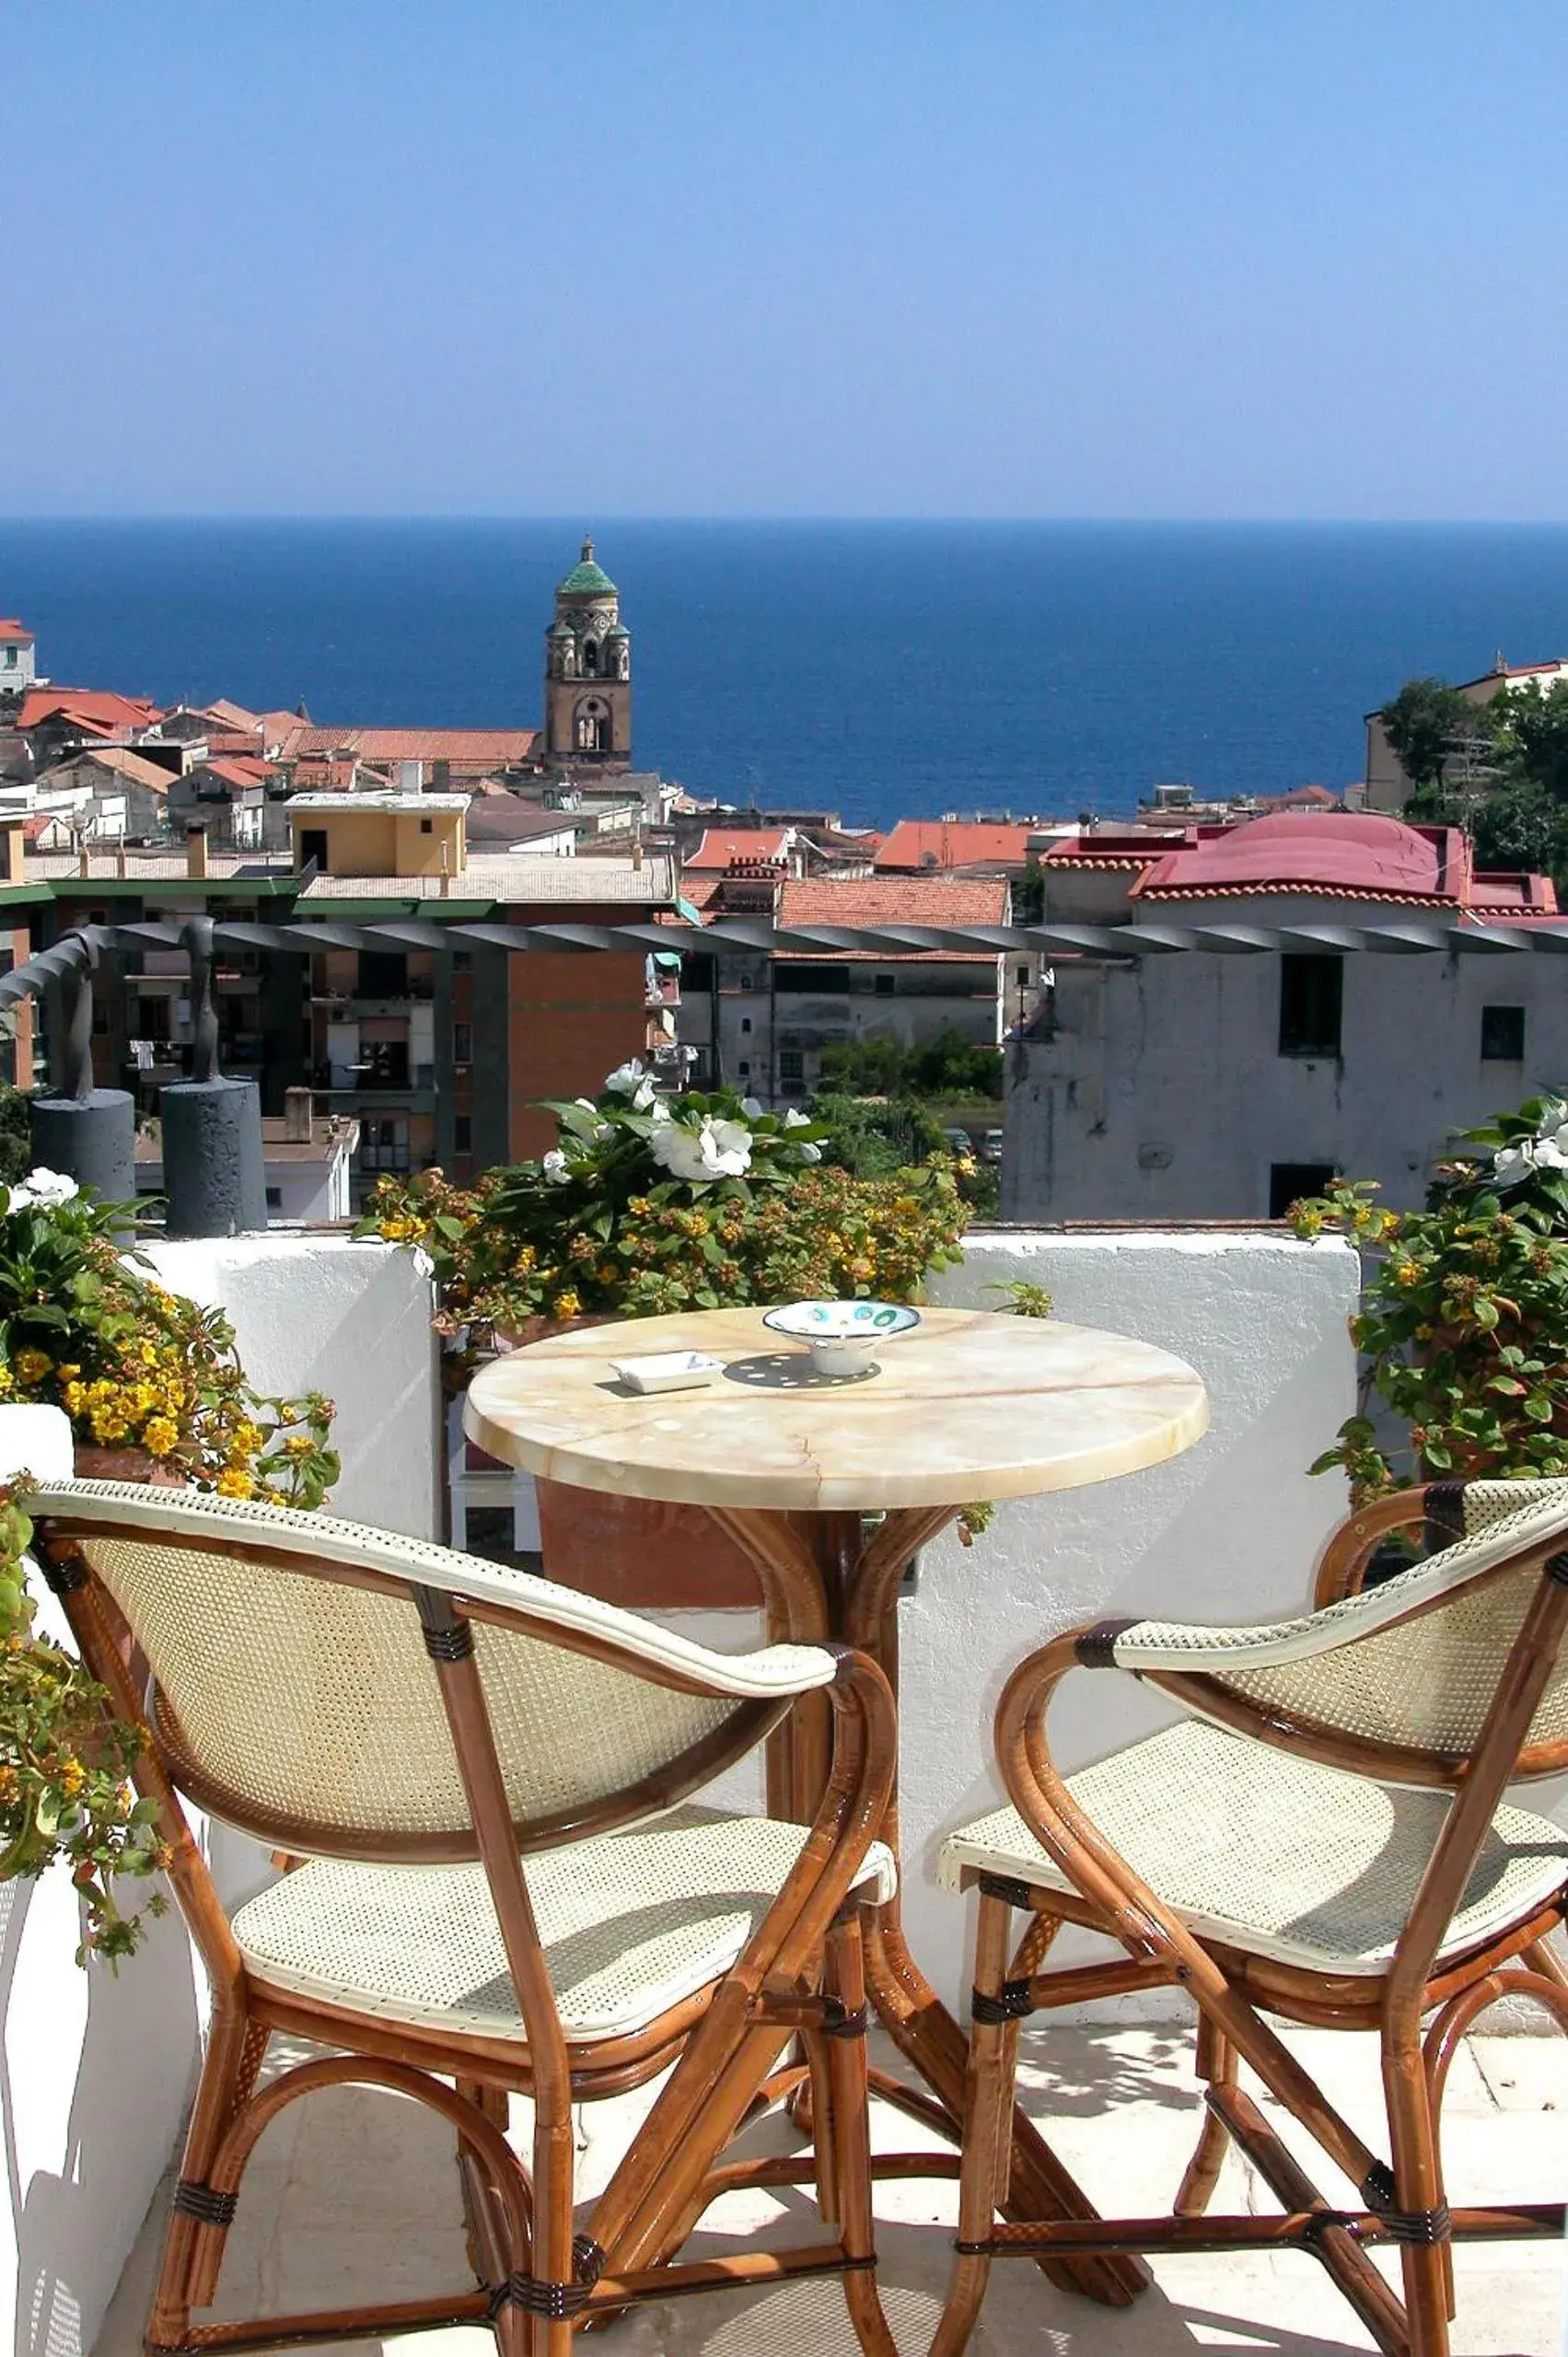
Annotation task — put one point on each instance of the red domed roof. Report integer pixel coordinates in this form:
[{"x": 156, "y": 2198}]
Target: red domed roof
[{"x": 1335, "y": 851}]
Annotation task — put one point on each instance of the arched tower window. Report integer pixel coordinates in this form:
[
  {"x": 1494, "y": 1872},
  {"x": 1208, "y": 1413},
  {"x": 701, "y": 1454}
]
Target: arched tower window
[
  {"x": 590, "y": 727},
  {"x": 590, "y": 658}
]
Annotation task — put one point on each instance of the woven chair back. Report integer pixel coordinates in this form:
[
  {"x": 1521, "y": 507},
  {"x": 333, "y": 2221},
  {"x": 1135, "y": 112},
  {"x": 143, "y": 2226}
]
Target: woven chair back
[
  {"x": 1425, "y": 1683},
  {"x": 305, "y": 1709}
]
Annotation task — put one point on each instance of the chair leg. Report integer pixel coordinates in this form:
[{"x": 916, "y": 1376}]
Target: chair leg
[
  {"x": 192, "y": 2249},
  {"x": 988, "y": 2119},
  {"x": 1418, "y": 2188},
  {"x": 1217, "y": 2065},
  {"x": 554, "y": 2161},
  {"x": 847, "y": 2129}
]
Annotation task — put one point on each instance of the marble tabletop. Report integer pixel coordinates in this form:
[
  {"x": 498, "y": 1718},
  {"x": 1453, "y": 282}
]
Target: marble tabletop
[{"x": 971, "y": 1404}]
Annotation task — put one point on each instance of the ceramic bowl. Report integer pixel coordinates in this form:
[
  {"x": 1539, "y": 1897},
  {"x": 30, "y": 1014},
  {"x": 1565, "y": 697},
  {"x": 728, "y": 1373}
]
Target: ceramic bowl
[{"x": 842, "y": 1335}]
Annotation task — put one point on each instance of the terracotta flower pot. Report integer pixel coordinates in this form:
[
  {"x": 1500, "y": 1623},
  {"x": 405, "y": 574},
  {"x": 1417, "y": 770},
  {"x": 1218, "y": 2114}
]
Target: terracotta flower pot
[
  {"x": 95, "y": 1464},
  {"x": 644, "y": 1554}
]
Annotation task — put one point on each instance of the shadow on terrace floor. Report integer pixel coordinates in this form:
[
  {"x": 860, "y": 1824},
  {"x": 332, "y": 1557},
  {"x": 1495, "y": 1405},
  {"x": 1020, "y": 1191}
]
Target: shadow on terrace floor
[{"x": 356, "y": 2193}]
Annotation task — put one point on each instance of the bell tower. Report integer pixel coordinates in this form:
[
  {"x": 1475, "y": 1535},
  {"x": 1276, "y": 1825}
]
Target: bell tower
[{"x": 587, "y": 673}]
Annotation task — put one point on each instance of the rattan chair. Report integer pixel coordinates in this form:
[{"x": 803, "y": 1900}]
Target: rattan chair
[
  {"x": 505, "y": 1887},
  {"x": 1324, "y": 1839}
]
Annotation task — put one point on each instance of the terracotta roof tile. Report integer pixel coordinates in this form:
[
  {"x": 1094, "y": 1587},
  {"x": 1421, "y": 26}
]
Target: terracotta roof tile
[
  {"x": 721, "y": 845},
  {"x": 917, "y": 845}
]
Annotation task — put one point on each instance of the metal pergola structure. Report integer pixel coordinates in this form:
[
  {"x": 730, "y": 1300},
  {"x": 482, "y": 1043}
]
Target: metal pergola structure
[{"x": 79, "y": 952}]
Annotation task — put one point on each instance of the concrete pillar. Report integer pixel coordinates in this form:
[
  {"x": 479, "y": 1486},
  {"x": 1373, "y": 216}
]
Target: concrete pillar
[
  {"x": 213, "y": 1173},
  {"x": 91, "y": 1139},
  {"x": 87, "y": 1134}
]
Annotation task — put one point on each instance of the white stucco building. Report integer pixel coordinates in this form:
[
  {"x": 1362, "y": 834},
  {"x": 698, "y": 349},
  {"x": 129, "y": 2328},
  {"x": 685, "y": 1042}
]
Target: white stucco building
[
  {"x": 18, "y": 658},
  {"x": 1180, "y": 1085},
  {"x": 760, "y": 1022}
]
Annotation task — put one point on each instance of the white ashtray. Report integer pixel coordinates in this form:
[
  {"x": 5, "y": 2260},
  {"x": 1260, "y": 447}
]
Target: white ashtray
[
  {"x": 668, "y": 1371},
  {"x": 842, "y": 1335}
]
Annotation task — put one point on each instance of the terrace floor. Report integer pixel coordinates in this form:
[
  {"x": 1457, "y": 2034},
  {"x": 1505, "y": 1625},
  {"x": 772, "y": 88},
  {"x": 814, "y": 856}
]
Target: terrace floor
[{"x": 355, "y": 2194}]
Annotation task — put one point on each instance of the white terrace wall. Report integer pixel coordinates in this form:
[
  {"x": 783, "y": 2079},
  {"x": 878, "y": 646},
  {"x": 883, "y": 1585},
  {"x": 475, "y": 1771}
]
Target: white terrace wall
[
  {"x": 1227, "y": 1532},
  {"x": 96, "y": 2071}
]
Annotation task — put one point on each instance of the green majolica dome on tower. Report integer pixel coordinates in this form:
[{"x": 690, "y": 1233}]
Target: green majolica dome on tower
[{"x": 587, "y": 580}]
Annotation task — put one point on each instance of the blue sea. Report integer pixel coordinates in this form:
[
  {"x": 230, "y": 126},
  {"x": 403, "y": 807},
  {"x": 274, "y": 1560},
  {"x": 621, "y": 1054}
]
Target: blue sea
[{"x": 873, "y": 668}]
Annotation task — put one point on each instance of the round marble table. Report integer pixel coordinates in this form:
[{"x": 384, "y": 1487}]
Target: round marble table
[{"x": 970, "y": 1405}]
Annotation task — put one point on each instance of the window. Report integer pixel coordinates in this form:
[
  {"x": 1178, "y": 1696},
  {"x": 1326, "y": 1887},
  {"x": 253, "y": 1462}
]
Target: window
[
  {"x": 1502, "y": 1034},
  {"x": 427, "y": 826},
  {"x": 462, "y": 961},
  {"x": 884, "y": 986},
  {"x": 10, "y": 658},
  {"x": 1023, "y": 978},
  {"x": 1311, "y": 997},
  {"x": 274, "y": 1199},
  {"x": 803, "y": 977},
  {"x": 746, "y": 1023},
  {"x": 744, "y": 1069},
  {"x": 462, "y": 1043},
  {"x": 462, "y": 1133},
  {"x": 383, "y": 973},
  {"x": 1288, "y": 1181},
  {"x": 792, "y": 1071},
  {"x": 313, "y": 847}
]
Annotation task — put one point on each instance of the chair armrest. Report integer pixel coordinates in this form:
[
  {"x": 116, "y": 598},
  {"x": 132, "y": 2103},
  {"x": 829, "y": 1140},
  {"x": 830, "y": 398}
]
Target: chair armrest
[
  {"x": 518, "y": 1599},
  {"x": 1350, "y": 1546}
]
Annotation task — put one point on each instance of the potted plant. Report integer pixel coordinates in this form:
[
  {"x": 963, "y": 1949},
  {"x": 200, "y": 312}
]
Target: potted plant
[
  {"x": 151, "y": 1381},
  {"x": 645, "y": 1206},
  {"x": 1464, "y": 1314},
  {"x": 65, "y": 1766}
]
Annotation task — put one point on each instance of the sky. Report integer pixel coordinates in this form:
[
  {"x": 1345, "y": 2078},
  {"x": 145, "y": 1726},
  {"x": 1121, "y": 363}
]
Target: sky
[{"x": 1019, "y": 258}]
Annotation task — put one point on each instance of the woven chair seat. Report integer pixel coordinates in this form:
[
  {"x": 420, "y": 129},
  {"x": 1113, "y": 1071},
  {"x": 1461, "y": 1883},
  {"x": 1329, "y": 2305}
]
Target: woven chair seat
[
  {"x": 631, "y": 1923},
  {"x": 1274, "y": 1854}
]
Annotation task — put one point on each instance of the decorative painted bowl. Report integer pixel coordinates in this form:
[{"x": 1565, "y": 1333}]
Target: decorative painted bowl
[{"x": 842, "y": 1335}]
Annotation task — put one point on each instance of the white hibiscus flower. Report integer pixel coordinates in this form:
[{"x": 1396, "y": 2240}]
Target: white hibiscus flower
[
  {"x": 713, "y": 1150},
  {"x": 556, "y": 1169},
  {"x": 1512, "y": 1164},
  {"x": 45, "y": 1188}
]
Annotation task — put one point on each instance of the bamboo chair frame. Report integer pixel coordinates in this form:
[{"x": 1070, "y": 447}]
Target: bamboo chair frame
[
  {"x": 800, "y": 1976},
  {"x": 1232, "y": 1988}
]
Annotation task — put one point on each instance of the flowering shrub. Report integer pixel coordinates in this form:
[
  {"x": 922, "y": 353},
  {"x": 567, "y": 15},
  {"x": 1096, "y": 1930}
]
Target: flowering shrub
[
  {"x": 643, "y": 1208},
  {"x": 64, "y": 1765},
  {"x": 84, "y": 1328},
  {"x": 1464, "y": 1313}
]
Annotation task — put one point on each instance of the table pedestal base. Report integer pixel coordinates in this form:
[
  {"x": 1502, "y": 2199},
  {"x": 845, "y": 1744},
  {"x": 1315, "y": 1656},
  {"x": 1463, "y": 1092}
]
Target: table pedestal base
[{"x": 826, "y": 1579}]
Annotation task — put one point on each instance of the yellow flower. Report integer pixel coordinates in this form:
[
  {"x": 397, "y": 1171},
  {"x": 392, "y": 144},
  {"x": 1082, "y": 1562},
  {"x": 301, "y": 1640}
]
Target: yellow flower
[
  {"x": 298, "y": 1444},
  {"x": 159, "y": 1434},
  {"x": 146, "y": 1353},
  {"x": 67, "y": 1372},
  {"x": 565, "y": 1305},
  {"x": 31, "y": 1364},
  {"x": 5, "y": 1380},
  {"x": 232, "y": 1483}
]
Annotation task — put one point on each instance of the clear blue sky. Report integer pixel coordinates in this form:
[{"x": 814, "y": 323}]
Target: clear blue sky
[{"x": 1146, "y": 258}]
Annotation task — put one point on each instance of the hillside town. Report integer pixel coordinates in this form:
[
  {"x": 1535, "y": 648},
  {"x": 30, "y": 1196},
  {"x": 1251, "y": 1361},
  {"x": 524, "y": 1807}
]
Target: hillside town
[{"x": 1122, "y": 1090}]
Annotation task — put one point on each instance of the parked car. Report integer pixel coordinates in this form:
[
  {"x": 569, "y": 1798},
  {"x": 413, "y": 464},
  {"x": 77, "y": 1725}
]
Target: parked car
[
  {"x": 990, "y": 1145},
  {"x": 959, "y": 1140}
]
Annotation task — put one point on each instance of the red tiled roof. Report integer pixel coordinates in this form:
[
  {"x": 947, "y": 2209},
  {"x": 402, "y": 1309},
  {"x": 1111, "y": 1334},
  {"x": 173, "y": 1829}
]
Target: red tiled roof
[
  {"x": 1359, "y": 856},
  {"x": 242, "y": 770},
  {"x": 917, "y": 845},
  {"x": 15, "y": 633},
  {"x": 93, "y": 710},
  {"x": 894, "y": 901},
  {"x": 721, "y": 845},
  {"x": 469, "y": 750}
]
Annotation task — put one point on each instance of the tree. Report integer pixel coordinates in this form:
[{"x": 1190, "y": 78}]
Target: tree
[
  {"x": 1425, "y": 724},
  {"x": 1522, "y": 826},
  {"x": 1532, "y": 736},
  {"x": 15, "y": 1136}
]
